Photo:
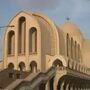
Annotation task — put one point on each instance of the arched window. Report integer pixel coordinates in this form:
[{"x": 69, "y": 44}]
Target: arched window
[
  {"x": 79, "y": 53},
  {"x": 21, "y": 35},
  {"x": 11, "y": 43},
  {"x": 33, "y": 66},
  {"x": 33, "y": 40},
  {"x": 72, "y": 48},
  {"x": 22, "y": 66},
  {"x": 67, "y": 40},
  {"x": 75, "y": 50}
]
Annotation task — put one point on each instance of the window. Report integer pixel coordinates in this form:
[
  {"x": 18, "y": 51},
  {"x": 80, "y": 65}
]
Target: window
[
  {"x": 75, "y": 50},
  {"x": 79, "y": 51},
  {"x": 11, "y": 43},
  {"x": 21, "y": 35},
  {"x": 33, "y": 40},
  {"x": 72, "y": 48},
  {"x": 67, "y": 38}
]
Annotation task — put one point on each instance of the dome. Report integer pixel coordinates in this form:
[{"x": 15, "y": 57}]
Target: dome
[{"x": 72, "y": 30}]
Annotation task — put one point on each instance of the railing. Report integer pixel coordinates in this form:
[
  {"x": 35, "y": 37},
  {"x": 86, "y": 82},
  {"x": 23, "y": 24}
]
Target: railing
[
  {"x": 40, "y": 77},
  {"x": 78, "y": 74},
  {"x": 45, "y": 76}
]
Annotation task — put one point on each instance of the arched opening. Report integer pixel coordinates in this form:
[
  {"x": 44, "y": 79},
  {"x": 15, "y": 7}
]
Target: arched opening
[
  {"x": 67, "y": 45},
  {"x": 22, "y": 66},
  {"x": 61, "y": 83},
  {"x": 79, "y": 53},
  {"x": 75, "y": 50},
  {"x": 11, "y": 43},
  {"x": 72, "y": 48},
  {"x": 33, "y": 66},
  {"x": 11, "y": 66},
  {"x": 21, "y": 35},
  {"x": 33, "y": 40},
  {"x": 51, "y": 83},
  {"x": 57, "y": 63}
]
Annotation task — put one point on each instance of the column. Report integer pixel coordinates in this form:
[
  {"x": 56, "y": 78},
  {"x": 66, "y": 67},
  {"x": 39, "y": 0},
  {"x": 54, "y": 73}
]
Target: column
[
  {"x": 71, "y": 87},
  {"x": 47, "y": 87},
  {"x": 62, "y": 86},
  {"x": 67, "y": 87},
  {"x": 55, "y": 82}
]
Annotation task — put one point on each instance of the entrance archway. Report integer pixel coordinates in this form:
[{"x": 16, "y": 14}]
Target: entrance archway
[
  {"x": 11, "y": 66},
  {"x": 33, "y": 66},
  {"x": 57, "y": 63},
  {"x": 21, "y": 66}
]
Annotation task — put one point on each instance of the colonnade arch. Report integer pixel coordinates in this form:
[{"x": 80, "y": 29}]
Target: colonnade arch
[
  {"x": 33, "y": 66},
  {"x": 21, "y": 66},
  {"x": 11, "y": 66},
  {"x": 72, "y": 83}
]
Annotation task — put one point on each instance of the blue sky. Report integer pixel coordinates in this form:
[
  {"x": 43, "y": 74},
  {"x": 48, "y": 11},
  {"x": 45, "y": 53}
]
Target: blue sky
[{"x": 58, "y": 10}]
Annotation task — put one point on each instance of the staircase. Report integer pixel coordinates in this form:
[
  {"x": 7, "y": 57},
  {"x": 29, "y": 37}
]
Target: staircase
[
  {"x": 8, "y": 76},
  {"x": 33, "y": 82}
]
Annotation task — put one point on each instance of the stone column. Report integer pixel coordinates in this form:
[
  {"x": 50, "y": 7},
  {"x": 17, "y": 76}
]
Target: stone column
[
  {"x": 47, "y": 87},
  {"x": 78, "y": 88},
  {"x": 67, "y": 87},
  {"x": 62, "y": 86},
  {"x": 71, "y": 88},
  {"x": 55, "y": 83}
]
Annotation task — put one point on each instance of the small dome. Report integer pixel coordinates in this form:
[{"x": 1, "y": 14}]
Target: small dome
[{"x": 72, "y": 30}]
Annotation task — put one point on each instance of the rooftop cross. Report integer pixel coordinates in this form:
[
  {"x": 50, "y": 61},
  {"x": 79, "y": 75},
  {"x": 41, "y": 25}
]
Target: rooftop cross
[{"x": 68, "y": 19}]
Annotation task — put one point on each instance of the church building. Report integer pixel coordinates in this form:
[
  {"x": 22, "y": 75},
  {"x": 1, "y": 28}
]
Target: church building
[{"x": 39, "y": 55}]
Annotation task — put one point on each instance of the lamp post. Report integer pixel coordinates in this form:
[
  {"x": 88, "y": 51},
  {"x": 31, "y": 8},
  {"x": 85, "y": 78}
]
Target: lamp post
[{"x": 7, "y": 26}]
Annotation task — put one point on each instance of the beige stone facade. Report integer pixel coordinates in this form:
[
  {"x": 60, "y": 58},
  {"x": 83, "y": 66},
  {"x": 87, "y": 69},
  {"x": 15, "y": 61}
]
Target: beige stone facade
[{"x": 58, "y": 56}]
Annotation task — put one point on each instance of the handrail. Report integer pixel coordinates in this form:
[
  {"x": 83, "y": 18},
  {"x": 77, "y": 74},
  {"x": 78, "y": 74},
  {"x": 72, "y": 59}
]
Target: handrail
[
  {"x": 44, "y": 76},
  {"x": 80, "y": 74},
  {"x": 41, "y": 76}
]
